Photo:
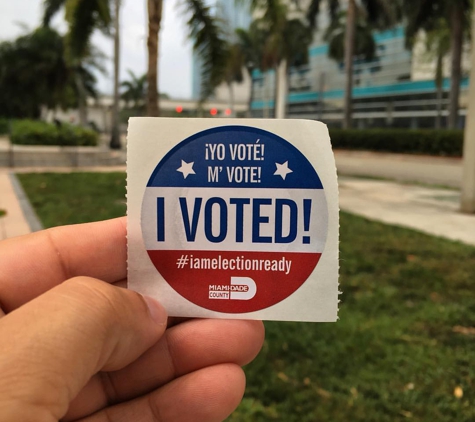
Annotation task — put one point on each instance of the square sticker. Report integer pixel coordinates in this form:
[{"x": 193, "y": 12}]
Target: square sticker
[{"x": 233, "y": 218}]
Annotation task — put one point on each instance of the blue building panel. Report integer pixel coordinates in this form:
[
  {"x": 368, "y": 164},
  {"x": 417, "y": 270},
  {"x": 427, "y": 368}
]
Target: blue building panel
[{"x": 400, "y": 88}]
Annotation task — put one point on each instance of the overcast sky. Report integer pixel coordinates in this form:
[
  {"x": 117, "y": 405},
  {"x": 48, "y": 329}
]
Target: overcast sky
[{"x": 175, "y": 50}]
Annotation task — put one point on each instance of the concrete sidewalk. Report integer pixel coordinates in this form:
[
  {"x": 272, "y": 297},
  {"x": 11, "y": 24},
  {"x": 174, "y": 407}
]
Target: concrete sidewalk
[
  {"x": 429, "y": 210},
  {"x": 426, "y": 209},
  {"x": 14, "y": 222},
  {"x": 443, "y": 171}
]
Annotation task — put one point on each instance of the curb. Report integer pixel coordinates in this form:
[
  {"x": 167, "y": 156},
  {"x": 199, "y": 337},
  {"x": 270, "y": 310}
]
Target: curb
[{"x": 25, "y": 205}]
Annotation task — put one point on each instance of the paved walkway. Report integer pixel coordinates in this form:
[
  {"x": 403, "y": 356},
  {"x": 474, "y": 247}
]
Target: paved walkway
[
  {"x": 430, "y": 210},
  {"x": 401, "y": 167},
  {"x": 14, "y": 222}
]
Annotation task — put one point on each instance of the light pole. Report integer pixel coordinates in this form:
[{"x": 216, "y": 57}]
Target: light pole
[{"x": 468, "y": 178}]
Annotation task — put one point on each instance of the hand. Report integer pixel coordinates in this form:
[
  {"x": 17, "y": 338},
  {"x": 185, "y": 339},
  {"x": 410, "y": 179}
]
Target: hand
[{"x": 73, "y": 347}]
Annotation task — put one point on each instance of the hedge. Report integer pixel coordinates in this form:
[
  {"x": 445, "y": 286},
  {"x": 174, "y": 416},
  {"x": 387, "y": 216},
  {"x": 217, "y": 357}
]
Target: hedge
[
  {"x": 3, "y": 126},
  {"x": 35, "y": 132},
  {"x": 406, "y": 141}
]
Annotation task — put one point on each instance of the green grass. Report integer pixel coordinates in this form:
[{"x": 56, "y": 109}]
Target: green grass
[
  {"x": 404, "y": 342},
  {"x": 395, "y": 354},
  {"x": 72, "y": 198},
  {"x": 2, "y": 213}
]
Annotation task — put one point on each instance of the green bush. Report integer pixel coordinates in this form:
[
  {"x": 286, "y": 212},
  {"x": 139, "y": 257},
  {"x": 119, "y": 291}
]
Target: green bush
[
  {"x": 35, "y": 132},
  {"x": 3, "y": 126},
  {"x": 405, "y": 141}
]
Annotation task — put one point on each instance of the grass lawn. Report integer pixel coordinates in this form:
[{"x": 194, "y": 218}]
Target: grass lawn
[
  {"x": 73, "y": 198},
  {"x": 403, "y": 350}
]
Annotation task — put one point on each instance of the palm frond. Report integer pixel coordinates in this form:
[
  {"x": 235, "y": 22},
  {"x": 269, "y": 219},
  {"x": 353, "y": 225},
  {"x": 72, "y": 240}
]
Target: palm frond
[
  {"x": 51, "y": 7},
  {"x": 83, "y": 18},
  {"x": 209, "y": 43},
  {"x": 313, "y": 11},
  {"x": 365, "y": 45}
]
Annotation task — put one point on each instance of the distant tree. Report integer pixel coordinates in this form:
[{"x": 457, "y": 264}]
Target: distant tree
[
  {"x": 208, "y": 41},
  {"x": 335, "y": 35},
  {"x": 425, "y": 15},
  {"x": 35, "y": 74},
  {"x": 286, "y": 41},
  {"x": 251, "y": 43},
  {"x": 154, "y": 8},
  {"x": 379, "y": 14},
  {"x": 438, "y": 46},
  {"x": 115, "y": 142},
  {"x": 32, "y": 73},
  {"x": 134, "y": 90},
  {"x": 83, "y": 18},
  {"x": 233, "y": 70}
]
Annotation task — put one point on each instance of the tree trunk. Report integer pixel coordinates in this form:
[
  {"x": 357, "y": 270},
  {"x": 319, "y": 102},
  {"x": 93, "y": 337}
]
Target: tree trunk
[
  {"x": 349, "y": 53},
  {"x": 115, "y": 132},
  {"x": 251, "y": 97},
  {"x": 154, "y": 19},
  {"x": 82, "y": 100},
  {"x": 468, "y": 178},
  {"x": 439, "y": 81},
  {"x": 266, "y": 113},
  {"x": 321, "y": 93},
  {"x": 231, "y": 98},
  {"x": 281, "y": 89},
  {"x": 456, "y": 43}
]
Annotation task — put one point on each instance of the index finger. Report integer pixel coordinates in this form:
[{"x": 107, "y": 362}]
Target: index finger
[{"x": 32, "y": 264}]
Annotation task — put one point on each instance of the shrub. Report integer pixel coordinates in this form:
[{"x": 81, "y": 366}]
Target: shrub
[
  {"x": 405, "y": 141},
  {"x": 3, "y": 126},
  {"x": 35, "y": 132}
]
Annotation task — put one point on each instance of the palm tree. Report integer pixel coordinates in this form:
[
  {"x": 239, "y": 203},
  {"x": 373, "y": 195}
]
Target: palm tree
[
  {"x": 380, "y": 14},
  {"x": 286, "y": 44},
  {"x": 135, "y": 90},
  {"x": 350, "y": 35},
  {"x": 363, "y": 48},
  {"x": 209, "y": 41},
  {"x": 424, "y": 15},
  {"x": 115, "y": 133},
  {"x": 251, "y": 42},
  {"x": 232, "y": 71},
  {"x": 335, "y": 35},
  {"x": 438, "y": 46},
  {"x": 83, "y": 17},
  {"x": 296, "y": 38},
  {"x": 154, "y": 8}
]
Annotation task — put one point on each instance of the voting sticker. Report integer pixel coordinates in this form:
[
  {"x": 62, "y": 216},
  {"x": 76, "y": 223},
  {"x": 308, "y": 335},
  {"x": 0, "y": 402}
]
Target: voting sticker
[{"x": 233, "y": 220}]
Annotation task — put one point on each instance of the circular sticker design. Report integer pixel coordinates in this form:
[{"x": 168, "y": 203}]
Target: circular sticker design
[{"x": 235, "y": 219}]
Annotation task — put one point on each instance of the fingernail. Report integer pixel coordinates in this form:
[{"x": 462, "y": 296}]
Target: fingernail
[{"x": 156, "y": 310}]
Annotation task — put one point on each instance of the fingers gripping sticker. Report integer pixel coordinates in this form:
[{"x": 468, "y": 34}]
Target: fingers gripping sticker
[{"x": 234, "y": 218}]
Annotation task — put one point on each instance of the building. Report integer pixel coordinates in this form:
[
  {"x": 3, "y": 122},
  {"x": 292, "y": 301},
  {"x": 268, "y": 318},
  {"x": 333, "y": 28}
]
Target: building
[{"x": 396, "y": 89}]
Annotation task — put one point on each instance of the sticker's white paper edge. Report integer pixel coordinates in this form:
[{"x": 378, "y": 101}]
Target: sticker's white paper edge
[{"x": 313, "y": 301}]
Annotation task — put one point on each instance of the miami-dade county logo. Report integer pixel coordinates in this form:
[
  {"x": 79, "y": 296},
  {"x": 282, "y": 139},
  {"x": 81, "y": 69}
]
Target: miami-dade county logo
[{"x": 235, "y": 219}]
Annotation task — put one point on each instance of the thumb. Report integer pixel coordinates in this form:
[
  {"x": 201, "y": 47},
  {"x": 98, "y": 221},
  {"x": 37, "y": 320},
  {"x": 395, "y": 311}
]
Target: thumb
[{"x": 50, "y": 347}]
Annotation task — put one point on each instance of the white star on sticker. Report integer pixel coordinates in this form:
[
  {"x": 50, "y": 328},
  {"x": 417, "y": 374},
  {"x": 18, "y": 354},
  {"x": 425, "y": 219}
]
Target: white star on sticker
[
  {"x": 282, "y": 170},
  {"x": 186, "y": 168}
]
